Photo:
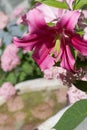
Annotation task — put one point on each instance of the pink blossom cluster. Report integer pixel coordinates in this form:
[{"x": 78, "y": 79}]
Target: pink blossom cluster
[
  {"x": 51, "y": 44},
  {"x": 7, "y": 90},
  {"x": 3, "y": 20},
  {"x": 64, "y": 75},
  {"x": 9, "y": 58},
  {"x": 54, "y": 72},
  {"x": 75, "y": 95}
]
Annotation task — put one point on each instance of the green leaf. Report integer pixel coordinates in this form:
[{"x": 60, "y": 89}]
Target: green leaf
[
  {"x": 20, "y": 53},
  {"x": 79, "y": 4},
  {"x": 73, "y": 116},
  {"x": 80, "y": 63},
  {"x": 81, "y": 85},
  {"x": 22, "y": 76},
  {"x": 27, "y": 68},
  {"x": 54, "y": 3},
  {"x": 11, "y": 78},
  {"x": 50, "y": 24},
  {"x": 22, "y": 27}
]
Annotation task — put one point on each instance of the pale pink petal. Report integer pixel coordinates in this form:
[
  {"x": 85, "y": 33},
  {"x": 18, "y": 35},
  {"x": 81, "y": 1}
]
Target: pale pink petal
[
  {"x": 85, "y": 29},
  {"x": 50, "y": 13},
  {"x": 69, "y": 20},
  {"x": 70, "y": 3}
]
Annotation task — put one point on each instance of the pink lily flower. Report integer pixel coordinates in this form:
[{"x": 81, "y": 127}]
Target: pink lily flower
[{"x": 42, "y": 39}]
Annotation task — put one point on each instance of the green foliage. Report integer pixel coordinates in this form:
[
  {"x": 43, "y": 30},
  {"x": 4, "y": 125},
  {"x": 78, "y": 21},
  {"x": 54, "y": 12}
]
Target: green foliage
[
  {"x": 78, "y": 4},
  {"x": 54, "y": 3},
  {"x": 73, "y": 116},
  {"x": 11, "y": 78},
  {"x": 82, "y": 85},
  {"x": 80, "y": 63}
]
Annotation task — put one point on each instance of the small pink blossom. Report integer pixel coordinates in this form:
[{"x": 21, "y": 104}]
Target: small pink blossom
[
  {"x": 7, "y": 90},
  {"x": 10, "y": 59},
  {"x": 75, "y": 95},
  {"x": 3, "y": 20},
  {"x": 18, "y": 11}
]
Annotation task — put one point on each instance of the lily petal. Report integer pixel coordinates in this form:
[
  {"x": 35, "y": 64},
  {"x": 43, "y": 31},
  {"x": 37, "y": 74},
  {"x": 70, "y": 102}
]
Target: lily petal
[
  {"x": 27, "y": 42},
  {"x": 67, "y": 60},
  {"x": 50, "y": 13},
  {"x": 36, "y": 21},
  {"x": 69, "y": 20},
  {"x": 42, "y": 57},
  {"x": 79, "y": 44}
]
